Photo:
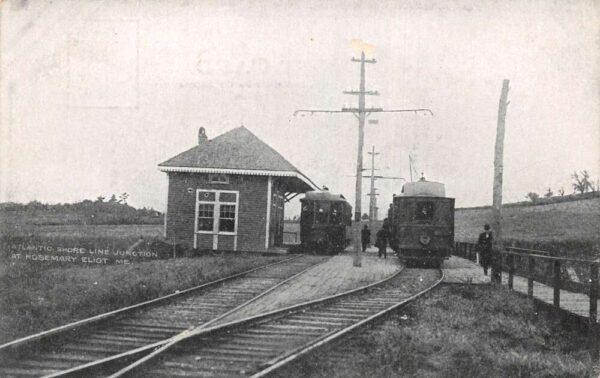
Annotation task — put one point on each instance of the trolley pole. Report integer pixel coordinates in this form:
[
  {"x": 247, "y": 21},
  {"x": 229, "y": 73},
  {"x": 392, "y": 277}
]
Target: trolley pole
[{"x": 361, "y": 113}]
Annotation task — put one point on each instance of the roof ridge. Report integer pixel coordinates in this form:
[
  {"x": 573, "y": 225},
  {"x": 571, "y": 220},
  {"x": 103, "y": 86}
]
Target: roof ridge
[
  {"x": 269, "y": 146},
  {"x": 233, "y": 149}
]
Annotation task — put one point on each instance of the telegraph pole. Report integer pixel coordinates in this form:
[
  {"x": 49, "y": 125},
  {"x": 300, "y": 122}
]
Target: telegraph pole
[
  {"x": 361, "y": 113},
  {"x": 498, "y": 168},
  {"x": 372, "y": 193},
  {"x": 373, "y": 199},
  {"x": 359, "y": 160}
]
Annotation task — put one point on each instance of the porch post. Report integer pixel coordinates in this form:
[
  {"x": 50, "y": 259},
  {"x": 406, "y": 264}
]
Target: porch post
[{"x": 268, "y": 219}]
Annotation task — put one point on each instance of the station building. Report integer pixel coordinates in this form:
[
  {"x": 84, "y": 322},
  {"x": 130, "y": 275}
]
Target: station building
[{"x": 228, "y": 193}]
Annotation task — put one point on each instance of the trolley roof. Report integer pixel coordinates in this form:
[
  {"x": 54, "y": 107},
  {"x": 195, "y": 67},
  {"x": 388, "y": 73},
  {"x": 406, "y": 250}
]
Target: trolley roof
[
  {"x": 423, "y": 188},
  {"x": 323, "y": 196}
]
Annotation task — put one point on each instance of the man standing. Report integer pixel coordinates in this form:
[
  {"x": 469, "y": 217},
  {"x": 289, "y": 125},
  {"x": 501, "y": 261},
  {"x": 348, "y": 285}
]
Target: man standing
[
  {"x": 485, "y": 248},
  {"x": 365, "y": 237},
  {"x": 382, "y": 241}
]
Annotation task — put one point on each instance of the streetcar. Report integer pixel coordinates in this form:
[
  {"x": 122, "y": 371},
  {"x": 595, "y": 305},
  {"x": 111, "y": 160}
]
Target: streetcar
[
  {"x": 421, "y": 222},
  {"x": 324, "y": 218}
]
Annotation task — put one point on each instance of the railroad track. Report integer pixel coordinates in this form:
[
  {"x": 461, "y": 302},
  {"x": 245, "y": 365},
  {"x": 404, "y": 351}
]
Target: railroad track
[
  {"x": 338, "y": 351},
  {"x": 259, "y": 345},
  {"x": 118, "y": 336}
]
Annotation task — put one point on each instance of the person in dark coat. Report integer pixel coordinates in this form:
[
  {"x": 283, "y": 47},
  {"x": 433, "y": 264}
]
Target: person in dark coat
[
  {"x": 365, "y": 237},
  {"x": 382, "y": 241},
  {"x": 485, "y": 248},
  {"x": 386, "y": 226}
]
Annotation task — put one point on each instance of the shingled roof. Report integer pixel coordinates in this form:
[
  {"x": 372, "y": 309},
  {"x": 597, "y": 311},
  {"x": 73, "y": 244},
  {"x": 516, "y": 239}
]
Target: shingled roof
[{"x": 237, "y": 151}]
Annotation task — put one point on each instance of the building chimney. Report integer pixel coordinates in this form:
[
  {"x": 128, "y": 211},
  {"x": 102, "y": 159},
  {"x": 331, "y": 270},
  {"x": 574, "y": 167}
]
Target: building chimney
[{"x": 202, "y": 139}]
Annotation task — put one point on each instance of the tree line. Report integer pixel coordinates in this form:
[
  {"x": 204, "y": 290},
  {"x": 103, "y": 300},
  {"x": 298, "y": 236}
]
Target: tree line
[
  {"x": 581, "y": 183},
  {"x": 115, "y": 210}
]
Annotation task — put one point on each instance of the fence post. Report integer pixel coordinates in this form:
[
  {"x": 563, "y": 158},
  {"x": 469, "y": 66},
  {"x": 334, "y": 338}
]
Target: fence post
[
  {"x": 511, "y": 270},
  {"x": 556, "y": 283},
  {"x": 530, "y": 275},
  {"x": 496, "y": 266},
  {"x": 594, "y": 292}
]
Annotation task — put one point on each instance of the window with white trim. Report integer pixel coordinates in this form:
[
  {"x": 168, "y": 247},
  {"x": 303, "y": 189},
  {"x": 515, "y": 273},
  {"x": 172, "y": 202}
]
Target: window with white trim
[
  {"x": 217, "y": 211},
  {"x": 218, "y": 178},
  {"x": 206, "y": 216},
  {"x": 227, "y": 218}
]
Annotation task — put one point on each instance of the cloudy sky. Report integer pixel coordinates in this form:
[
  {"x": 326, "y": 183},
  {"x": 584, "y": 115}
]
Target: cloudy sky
[{"x": 95, "y": 94}]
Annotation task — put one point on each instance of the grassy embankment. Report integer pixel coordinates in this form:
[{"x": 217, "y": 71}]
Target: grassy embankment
[
  {"x": 33, "y": 299},
  {"x": 36, "y": 296},
  {"x": 568, "y": 228},
  {"x": 100, "y": 236},
  {"x": 459, "y": 331}
]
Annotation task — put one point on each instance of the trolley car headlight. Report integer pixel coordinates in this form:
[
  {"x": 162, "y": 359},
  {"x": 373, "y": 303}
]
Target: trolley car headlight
[{"x": 424, "y": 239}]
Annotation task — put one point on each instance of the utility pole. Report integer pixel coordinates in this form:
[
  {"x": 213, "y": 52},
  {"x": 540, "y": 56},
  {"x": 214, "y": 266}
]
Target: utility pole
[
  {"x": 498, "y": 166},
  {"x": 373, "y": 199},
  {"x": 372, "y": 193},
  {"x": 359, "y": 160},
  {"x": 361, "y": 113}
]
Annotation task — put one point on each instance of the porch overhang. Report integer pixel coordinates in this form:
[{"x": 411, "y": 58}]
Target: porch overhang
[{"x": 294, "y": 182}]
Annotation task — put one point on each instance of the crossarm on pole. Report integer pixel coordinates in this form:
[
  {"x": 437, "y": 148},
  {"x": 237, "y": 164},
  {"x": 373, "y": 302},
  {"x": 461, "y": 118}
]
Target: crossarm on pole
[{"x": 403, "y": 111}]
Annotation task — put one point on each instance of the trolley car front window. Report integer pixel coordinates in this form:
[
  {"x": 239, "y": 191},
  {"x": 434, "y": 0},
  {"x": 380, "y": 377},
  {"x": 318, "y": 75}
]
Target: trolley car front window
[
  {"x": 336, "y": 214},
  {"x": 424, "y": 212},
  {"x": 322, "y": 213}
]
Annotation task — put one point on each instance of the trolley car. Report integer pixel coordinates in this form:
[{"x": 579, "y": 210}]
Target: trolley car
[
  {"x": 422, "y": 223},
  {"x": 323, "y": 221}
]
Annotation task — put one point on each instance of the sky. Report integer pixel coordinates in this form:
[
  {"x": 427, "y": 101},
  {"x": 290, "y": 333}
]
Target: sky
[{"x": 94, "y": 95}]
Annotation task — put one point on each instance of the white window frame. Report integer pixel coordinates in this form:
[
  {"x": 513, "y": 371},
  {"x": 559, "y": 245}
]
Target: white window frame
[
  {"x": 212, "y": 178},
  {"x": 217, "y": 211}
]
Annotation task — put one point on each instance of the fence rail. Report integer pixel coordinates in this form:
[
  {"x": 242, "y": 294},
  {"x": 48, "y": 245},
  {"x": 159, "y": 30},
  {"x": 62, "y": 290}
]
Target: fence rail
[{"x": 559, "y": 273}]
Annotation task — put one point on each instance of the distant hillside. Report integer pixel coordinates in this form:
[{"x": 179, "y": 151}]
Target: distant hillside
[
  {"x": 544, "y": 201},
  {"x": 572, "y": 224},
  {"x": 15, "y": 215}
]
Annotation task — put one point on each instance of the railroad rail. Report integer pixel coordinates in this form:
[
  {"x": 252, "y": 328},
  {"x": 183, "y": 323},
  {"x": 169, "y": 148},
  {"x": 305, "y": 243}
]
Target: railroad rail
[
  {"x": 261, "y": 344},
  {"x": 135, "y": 330}
]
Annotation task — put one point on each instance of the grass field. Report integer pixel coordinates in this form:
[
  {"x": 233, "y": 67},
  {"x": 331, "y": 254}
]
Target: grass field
[
  {"x": 33, "y": 300},
  {"x": 112, "y": 237},
  {"x": 566, "y": 228},
  {"x": 460, "y": 331},
  {"x": 125, "y": 231}
]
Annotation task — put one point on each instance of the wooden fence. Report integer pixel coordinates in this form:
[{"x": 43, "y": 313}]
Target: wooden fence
[{"x": 560, "y": 273}]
